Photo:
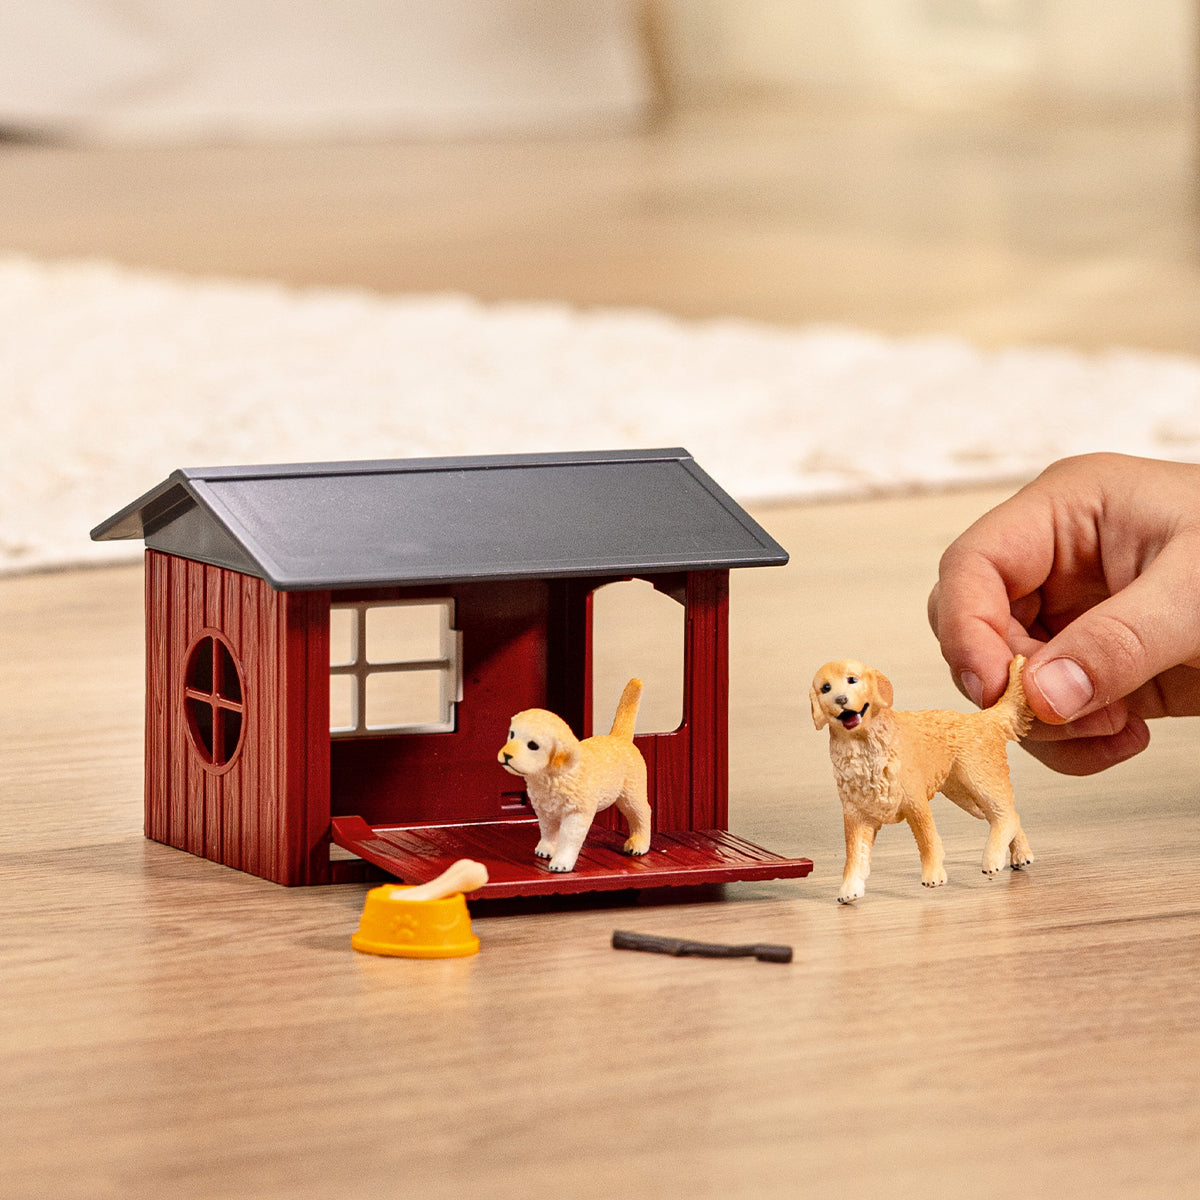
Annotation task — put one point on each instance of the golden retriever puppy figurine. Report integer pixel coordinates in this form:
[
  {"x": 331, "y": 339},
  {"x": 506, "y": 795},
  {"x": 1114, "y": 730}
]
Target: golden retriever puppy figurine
[
  {"x": 569, "y": 781},
  {"x": 888, "y": 764}
]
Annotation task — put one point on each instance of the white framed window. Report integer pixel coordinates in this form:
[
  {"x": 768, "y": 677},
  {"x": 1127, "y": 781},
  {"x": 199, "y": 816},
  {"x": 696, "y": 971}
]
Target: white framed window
[{"x": 394, "y": 667}]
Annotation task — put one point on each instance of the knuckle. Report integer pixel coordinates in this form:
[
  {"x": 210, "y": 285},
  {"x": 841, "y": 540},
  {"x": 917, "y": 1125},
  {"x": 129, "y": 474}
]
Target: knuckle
[
  {"x": 1122, "y": 654},
  {"x": 1092, "y": 464}
]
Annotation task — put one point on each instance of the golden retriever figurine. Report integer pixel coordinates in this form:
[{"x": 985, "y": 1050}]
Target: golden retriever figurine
[
  {"x": 888, "y": 764},
  {"x": 569, "y": 781}
]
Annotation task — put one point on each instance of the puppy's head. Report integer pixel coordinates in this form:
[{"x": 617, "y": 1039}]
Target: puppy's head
[
  {"x": 847, "y": 695},
  {"x": 538, "y": 743}
]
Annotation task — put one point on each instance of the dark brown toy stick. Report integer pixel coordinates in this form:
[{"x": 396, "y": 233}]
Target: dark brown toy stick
[{"x": 763, "y": 951}]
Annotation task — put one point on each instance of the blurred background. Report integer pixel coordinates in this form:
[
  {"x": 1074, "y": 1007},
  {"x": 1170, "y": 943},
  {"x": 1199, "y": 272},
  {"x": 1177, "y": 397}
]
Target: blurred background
[{"x": 1006, "y": 170}]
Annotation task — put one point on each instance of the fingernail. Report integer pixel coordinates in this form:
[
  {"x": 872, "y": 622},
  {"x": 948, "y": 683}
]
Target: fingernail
[
  {"x": 973, "y": 686},
  {"x": 1065, "y": 685}
]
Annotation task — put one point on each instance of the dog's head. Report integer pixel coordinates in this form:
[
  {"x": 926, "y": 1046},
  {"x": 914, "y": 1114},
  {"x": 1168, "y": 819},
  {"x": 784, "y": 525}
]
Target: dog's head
[
  {"x": 847, "y": 695},
  {"x": 538, "y": 743}
]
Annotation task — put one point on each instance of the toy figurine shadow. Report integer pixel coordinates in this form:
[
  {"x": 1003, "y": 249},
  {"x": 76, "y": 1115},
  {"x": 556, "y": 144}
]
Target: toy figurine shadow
[
  {"x": 569, "y": 781},
  {"x": 888, "y": 765}
]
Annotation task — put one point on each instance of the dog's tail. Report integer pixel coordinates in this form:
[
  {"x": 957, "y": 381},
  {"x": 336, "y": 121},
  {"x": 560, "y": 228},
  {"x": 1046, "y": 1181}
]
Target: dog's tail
[
  {"x": 1012, "y": 712},
  {"x": 627, "y": 711}
]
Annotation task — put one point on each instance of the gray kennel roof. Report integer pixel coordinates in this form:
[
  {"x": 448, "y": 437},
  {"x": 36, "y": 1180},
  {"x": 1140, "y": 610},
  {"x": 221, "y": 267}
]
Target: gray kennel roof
[{"x": 446, "y": 520}]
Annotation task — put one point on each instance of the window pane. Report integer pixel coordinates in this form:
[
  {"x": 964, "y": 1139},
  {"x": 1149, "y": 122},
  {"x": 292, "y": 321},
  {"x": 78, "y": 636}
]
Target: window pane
[
  {"x": 200, "y": 722},
  {"x": 341, "y": 702},
  {"x": 229, "y": 683},
  {"x": 405, "y": 632},
  {"x": 231, "y": 734},
  {"x": 405, "y": 698},
  {"x": 342, "y": 622},
  {"x": 200, "y": 669}
]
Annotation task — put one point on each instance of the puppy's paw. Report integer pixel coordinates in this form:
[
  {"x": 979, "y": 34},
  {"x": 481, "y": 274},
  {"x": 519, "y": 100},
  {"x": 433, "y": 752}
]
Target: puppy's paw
[
  {"x": 937, "y": 878},
  {"x": 1019, "y": 859},
  {"x": 562, "y": 865},
  {"x": 636, "y": 846},
  {"x": 851, "y": 892},
  {"x": 544, "y": 849},
  {"x": 994, "y": 861}
]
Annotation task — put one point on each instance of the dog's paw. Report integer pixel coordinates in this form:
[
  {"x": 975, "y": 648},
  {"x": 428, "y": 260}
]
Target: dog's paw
[
  {"x": 636, "y": 847},
  {"x": 938, "y": 878},
  {"x": 994, "y": 861},
  {"x": 562, "y": 866},
  {"x": 851, "y": 892},
  {"x": 544, "y": 850},
  {"x": 1019, "y": 860}
]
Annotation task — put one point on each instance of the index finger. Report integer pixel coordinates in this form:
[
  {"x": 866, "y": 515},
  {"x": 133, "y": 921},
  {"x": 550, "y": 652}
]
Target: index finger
[{"x": 1004, "y": 556}]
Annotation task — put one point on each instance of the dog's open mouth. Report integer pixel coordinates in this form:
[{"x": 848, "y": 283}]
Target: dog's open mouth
[{"x": 851, "y": 719}]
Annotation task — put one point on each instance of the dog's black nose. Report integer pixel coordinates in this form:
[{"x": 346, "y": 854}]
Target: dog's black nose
[
  {"x": 843, "y": 700},
  {"x": 507, "y": 757}
]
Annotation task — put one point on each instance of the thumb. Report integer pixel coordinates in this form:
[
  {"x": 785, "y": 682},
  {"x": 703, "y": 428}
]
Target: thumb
[{"x": 1112, "y": 649}]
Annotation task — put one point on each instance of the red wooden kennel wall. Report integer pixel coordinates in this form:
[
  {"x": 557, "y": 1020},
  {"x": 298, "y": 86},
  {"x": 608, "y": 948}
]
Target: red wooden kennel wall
[
  {"x": 242, "y": 568},
  {"x": 264, "y": 808}
]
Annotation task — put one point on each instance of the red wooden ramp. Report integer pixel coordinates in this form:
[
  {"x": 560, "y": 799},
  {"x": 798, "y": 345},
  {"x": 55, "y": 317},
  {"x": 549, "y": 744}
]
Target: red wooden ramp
[{"x": 415, "y": 855}]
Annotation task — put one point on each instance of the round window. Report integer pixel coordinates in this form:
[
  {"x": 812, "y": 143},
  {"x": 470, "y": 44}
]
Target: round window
[{"x": 213, "y": 702}]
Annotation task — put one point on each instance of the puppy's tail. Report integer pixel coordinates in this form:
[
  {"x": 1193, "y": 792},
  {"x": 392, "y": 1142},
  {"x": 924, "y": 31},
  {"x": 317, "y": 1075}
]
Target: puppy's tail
[
  {"x": 1012, "y": 712},
  {"x": 627, "y": 711}
]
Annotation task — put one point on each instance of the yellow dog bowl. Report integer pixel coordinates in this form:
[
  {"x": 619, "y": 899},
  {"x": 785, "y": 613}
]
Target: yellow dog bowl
[{"x": 414, "y": 928}]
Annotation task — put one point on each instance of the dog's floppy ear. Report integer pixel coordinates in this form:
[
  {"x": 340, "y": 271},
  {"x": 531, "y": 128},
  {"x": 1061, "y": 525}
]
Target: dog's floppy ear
[
  {"x": 564, "y": 755},
  {"x": 882, "y": 686},
  {"x": 820, "y": 720}
]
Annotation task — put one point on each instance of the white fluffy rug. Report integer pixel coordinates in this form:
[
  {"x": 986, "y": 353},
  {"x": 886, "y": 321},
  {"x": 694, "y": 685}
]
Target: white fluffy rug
[{"x": 112, "y": 378}]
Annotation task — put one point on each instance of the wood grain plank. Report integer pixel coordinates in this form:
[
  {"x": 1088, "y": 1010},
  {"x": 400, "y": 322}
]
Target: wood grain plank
[
  {"x": 233, "y": 781},
  {"x": 195, "y": 577},
  {"x": 304, "y": 819},
  {"x": 706, "y": 678},
  {"x": 158, "y": 705},
  {"x": 214, "y": 784},
  {"x": 180, "y": 768}
]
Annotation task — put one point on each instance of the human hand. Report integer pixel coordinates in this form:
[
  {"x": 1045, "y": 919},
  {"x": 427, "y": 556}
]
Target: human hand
[{"x": 1092, "y": 572}]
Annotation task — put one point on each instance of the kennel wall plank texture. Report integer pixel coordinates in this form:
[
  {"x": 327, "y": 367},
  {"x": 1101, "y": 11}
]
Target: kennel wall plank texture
[{"x": 267, "y": 811}]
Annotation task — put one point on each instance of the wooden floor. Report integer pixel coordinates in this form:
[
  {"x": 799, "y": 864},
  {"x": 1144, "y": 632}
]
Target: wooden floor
[{"x": 169, "y": 1027}]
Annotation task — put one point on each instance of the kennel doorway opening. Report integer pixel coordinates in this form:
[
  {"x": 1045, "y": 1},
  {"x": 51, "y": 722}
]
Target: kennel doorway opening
[{"x": 638, "y": 630}]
